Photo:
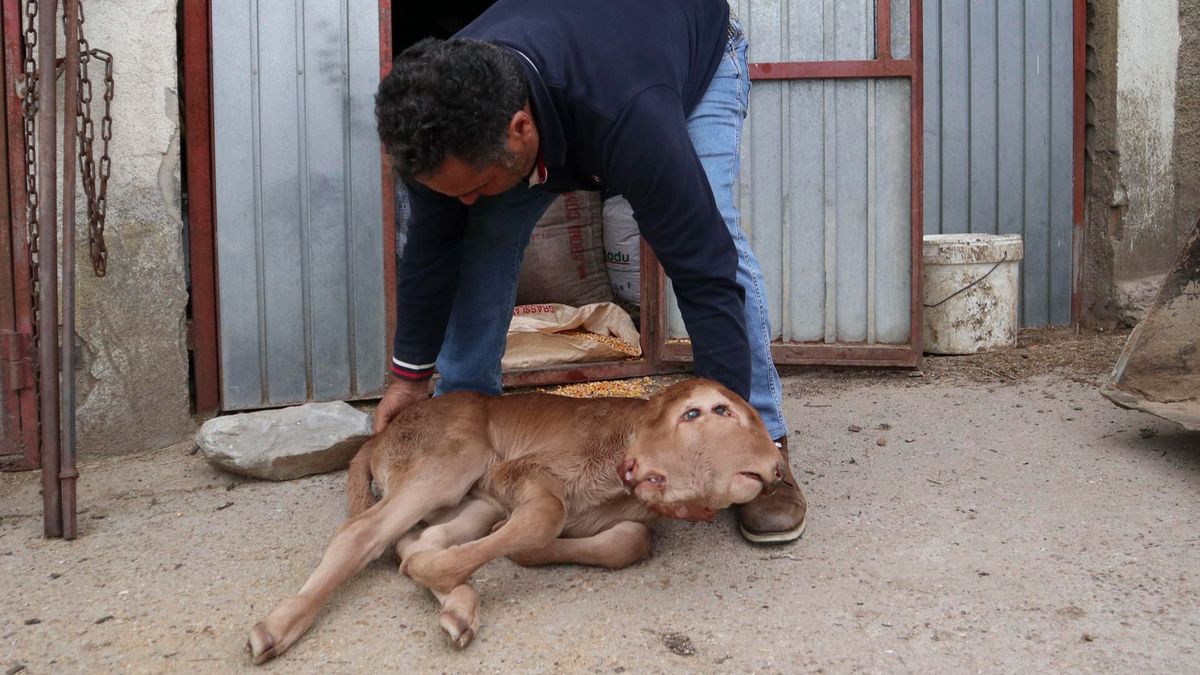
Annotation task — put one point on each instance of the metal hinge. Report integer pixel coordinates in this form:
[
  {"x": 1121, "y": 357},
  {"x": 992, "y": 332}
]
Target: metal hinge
[{"x": 16, "y": 360}]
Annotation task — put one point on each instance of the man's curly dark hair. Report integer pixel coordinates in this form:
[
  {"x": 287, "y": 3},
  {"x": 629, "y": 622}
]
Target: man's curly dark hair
[{"x": 449, "y": 97}]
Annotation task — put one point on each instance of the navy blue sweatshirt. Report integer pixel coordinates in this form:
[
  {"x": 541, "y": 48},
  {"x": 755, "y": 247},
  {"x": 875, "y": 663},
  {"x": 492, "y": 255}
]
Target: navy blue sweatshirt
[{"x": 611, "y": 83}]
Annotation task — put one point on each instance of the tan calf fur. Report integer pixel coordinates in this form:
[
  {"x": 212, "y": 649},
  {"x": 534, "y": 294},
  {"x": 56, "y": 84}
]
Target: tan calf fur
[{"x": 538, "y": 478}]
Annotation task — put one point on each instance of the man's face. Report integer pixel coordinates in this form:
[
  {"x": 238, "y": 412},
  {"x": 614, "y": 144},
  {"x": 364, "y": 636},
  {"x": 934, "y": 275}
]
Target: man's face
[
  {"x": 455, "y": 178},
  {"x": 458, "y": 179}
]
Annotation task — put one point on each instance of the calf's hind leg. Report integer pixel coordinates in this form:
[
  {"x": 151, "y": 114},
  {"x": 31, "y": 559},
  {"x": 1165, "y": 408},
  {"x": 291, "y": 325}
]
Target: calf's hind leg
[
  {"x": 358, "y": 541},
  {"x": 459, "y": 617}
]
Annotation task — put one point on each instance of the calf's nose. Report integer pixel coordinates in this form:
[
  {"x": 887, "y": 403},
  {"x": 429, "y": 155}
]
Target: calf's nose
[{"x": 776, "y": 479}]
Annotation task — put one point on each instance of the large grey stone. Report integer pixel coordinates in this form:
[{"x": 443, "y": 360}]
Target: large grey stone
[{"x": 285, "y": 443}]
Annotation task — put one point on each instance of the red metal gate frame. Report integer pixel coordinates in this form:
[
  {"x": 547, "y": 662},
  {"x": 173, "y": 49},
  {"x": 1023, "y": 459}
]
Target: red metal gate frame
[
  {"x": 198, "y": 152},
  {"x": 1079, "y": 48},
  {"x": 18, "y": 319},
  {"x": 883, "y": 66}
]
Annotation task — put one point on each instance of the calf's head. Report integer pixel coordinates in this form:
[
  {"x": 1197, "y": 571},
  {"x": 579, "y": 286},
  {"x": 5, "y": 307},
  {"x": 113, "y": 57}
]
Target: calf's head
[{"x": 700, "y": 445}]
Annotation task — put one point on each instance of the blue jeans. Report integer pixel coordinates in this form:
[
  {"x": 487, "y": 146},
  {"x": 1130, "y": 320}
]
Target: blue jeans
[{"x": 500, "y": 228}]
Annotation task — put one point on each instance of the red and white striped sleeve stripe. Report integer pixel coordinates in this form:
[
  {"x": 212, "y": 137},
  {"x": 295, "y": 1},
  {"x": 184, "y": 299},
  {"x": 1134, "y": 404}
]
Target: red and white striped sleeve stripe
[{"x": 412, "y": 371}]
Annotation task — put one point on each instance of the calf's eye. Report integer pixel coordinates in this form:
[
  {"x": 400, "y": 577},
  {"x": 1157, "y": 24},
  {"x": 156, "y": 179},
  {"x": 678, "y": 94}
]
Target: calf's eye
[{"x": 691, "y": 414}]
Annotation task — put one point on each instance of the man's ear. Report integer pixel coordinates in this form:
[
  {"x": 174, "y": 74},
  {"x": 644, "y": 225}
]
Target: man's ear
[{"x": 521, "y": 127}]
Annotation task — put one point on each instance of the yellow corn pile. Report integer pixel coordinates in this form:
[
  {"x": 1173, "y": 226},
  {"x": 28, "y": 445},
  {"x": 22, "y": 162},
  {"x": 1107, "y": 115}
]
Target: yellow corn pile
[
  {"x": 617, "y": 344},
  {"x": 633, "y": 388}
]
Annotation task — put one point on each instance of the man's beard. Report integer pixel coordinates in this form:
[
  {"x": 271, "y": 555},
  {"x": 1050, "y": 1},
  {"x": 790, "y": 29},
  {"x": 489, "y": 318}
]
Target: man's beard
[{"x": 516, "y": 168}]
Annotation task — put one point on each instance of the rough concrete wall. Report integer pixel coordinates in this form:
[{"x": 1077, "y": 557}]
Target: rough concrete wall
[
  {"x": 1142, "y": 156},
  {"x": 1187, "y": 121},
  {"x": 133, "y": 379},
  {"x": 1147, "y": 58},
  {"x": 1101, "y": 176}
]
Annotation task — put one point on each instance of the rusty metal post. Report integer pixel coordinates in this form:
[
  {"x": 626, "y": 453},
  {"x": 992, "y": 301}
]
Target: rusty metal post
[
  {"x": 48, "y": 268},
  {"x": 67, "y": 472}
]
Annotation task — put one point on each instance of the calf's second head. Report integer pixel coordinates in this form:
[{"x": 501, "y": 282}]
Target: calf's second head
[{"x": 701, "y": 445}]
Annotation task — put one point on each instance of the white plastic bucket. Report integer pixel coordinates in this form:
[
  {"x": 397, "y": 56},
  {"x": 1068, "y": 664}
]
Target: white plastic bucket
[{"x": 971, "y": 288}]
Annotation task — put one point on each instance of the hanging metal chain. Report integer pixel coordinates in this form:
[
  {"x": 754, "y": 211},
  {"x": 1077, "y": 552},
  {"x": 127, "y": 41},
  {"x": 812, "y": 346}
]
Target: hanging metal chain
[
  {"x": 29, "y": 108},
  {"x": 95, "y": 181}
]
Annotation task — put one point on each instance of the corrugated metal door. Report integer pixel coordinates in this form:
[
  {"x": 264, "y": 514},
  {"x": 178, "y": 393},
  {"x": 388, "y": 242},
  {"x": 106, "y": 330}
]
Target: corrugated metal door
[
  {"x": 828, "y": 177},
  {"x": 299, "y": 235},
  {"x": 999, "y": 114}
]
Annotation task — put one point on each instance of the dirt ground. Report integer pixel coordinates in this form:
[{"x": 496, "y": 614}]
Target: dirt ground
[{"x": 990, "y": 513}]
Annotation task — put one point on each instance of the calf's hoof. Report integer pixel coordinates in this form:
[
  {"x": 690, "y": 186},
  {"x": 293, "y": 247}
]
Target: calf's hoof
[
  {"x": 460, "y": 615},
  {"x": 280, "y": 629},
  {"x": 457, "y": 628},
  {"x": 261, "y": 644}
]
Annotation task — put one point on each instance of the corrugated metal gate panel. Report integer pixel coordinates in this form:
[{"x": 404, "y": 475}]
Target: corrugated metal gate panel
[
  {"x": 998, "y": 134},
  {"x": 825, "y": 190},
  {"x": 298, "y": 201}
]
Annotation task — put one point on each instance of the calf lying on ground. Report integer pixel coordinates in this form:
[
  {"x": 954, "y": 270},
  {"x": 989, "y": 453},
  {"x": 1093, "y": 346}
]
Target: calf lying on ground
[{"x": 537, "y": 478}]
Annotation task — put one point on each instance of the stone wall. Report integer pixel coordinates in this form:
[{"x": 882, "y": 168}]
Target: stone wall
[
  {"x": 1142, "y": 183},
  {"x": 133, "y": 378}
]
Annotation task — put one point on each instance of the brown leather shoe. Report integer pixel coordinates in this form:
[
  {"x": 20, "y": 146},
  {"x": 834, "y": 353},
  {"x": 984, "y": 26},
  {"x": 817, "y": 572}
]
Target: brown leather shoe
[{"x": 776, "y": 518}]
